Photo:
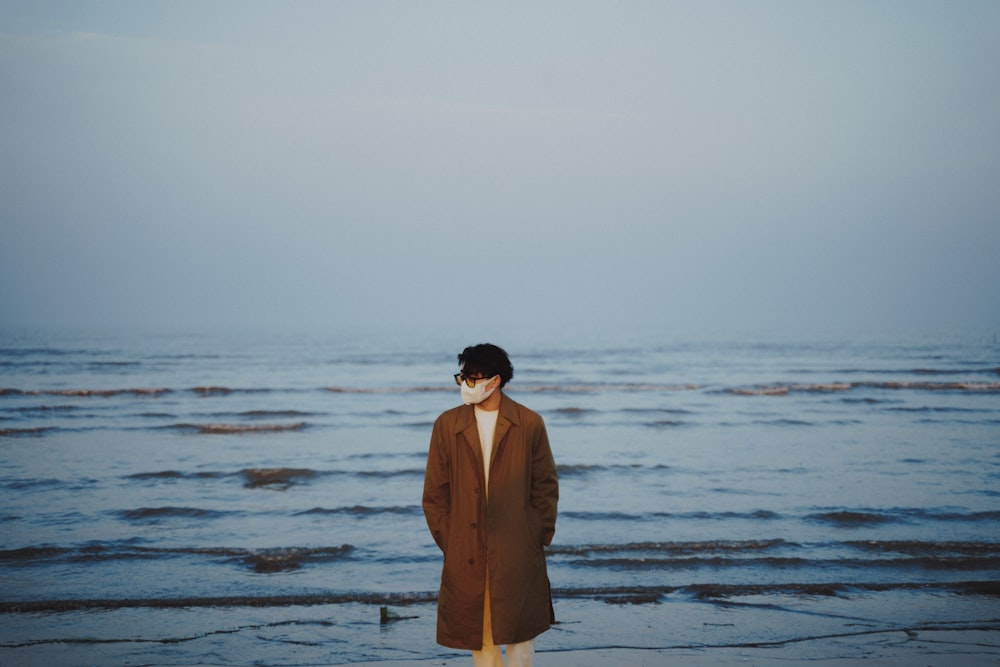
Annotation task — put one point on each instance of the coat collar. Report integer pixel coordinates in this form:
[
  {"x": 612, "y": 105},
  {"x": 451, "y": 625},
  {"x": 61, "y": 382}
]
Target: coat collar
[
  {"x": 467, "y": 414},
  {"x": 467, "y": 426}
]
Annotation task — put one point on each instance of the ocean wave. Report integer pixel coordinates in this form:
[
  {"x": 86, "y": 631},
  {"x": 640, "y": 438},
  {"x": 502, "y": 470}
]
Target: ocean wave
[
  {"x": 86, "y": 393},
  {"x": 784, "y": 422},
  {"x": 573, "y": 411},
  {"x": 32, "y": 554},
  {"x": 984, "y": 387},
  {"x": 972, "y": 369},
  {"x": 937, "y": 409},
  {"x": 237, "y": 429},
  {"x": 595, "y": 387},
  {"x": 948, "y": 515},
  {"x": 32, "y": 483},
  {"x": 780, "y": 554},
  {"x": 847, "y": 518},
  {"x": 390, "y": 390},
  {"x": 860, "y": 518},
  {"x": 719, "y": 562},
  {"x": 46, "y": 408},
  {"x": 923, "y": 548},
  {"x": 22, "y": 432},
  {"x": 785, "y": 389},
  {"x": 20, "y": 352},
  {"x": 274, "y": 413},
  {"x": 269, "y": 561},
  {"x": 281, "y": 478},
  {"x": 579, "y": 388},
  {"x": 676, "y": 548},
  {"x": 776, "y": 389},
  {"x": 276, "y": 477},
  {"x": 209, "y": 390},
  {"x": 757, "y": 515},
  {"x": 388, "y": 474},
  {"x": 279, "y": 559},
  {"x": 720, "y": 590},
  {"x": 365, "y": 510},
  {"x": 154, "y": 514},
  {"x": 576, "y": 470},
  {"x": 695, "y": 562},
  {"x": 613, "y": 594},
  {"x": 174, "y": 474}
]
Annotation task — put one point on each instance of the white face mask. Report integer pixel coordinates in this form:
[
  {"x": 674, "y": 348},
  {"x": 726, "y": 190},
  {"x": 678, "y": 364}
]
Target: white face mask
[{"x": 478, "y": 394}]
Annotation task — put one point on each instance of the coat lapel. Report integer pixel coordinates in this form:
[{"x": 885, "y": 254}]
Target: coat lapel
[
  {"x": 468, "y": 429},
  {"x": 507, "y": 418}
]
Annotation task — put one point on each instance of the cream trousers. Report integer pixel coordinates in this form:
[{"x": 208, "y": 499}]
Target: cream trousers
[{"x": 518, "y": 655}]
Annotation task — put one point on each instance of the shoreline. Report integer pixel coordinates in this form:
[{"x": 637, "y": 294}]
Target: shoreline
[
  {"x": 977, "y": 648},
  {"x": 630, "y": 657},
  {"x": 902, "y": 629}
]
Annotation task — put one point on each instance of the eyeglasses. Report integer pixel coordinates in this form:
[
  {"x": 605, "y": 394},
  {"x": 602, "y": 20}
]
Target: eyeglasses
[{"x": 471, "y": 382}]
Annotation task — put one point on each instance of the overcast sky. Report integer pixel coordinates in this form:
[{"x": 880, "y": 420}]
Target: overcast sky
[{"x": 533, "y": 165}]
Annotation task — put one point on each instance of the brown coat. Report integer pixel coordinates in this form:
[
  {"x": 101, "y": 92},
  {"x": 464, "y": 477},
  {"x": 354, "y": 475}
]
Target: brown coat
[{"x": 507, "y": 534}]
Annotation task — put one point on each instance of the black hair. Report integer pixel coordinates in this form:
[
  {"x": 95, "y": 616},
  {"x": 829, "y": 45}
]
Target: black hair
[{"x": 487, "y": 360}]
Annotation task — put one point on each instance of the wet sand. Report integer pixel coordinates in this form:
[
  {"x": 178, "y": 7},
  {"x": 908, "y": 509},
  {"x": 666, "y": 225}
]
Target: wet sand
[
  {"x": 967, "y": 648},
  {"x": 899, "y": 628},
  {"x": 917, "y": 656},
  {"x": 827, "y": 631}
]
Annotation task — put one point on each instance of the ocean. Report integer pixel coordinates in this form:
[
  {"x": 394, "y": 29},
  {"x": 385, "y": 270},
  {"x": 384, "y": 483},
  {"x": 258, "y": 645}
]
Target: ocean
[{"x": 255, "y": 499}]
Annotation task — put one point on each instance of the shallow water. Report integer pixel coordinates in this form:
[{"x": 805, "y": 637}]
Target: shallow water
[{"x": 269, "y": 473}]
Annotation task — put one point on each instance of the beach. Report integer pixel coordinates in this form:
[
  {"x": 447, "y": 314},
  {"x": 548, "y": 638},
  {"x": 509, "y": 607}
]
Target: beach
[
  {"x": 237, "y": 501},
  {"x": 589, "y": 633}
]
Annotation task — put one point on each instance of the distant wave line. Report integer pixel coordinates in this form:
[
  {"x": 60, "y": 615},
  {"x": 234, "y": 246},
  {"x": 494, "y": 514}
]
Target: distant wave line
[
  {"x": 778, "y": 389},
  {"x": 213, "y": 390},
  {"x": 908, "y": 547},
  {"x": 21, "y": 432},
  {"x": 644, "y": 516},
  {"x": 785, "y": 389},
  {"x": 672, "y": 547},
  {"x": 85, "y": 393},
  {"x": 854, "y": 518},
  {"x": 148, "y": 513},
  {"x": 569, "y": 470},
  {"x": 840, "y": 518},
  {"x": 364, "y": 510},
  {"x": 274, "y": 477},
  {"x": 237, "y": 429},
  {"x": 261, "y": 561},
  {"x": 977, "y": 370},
  {"x": 713, "y": 591},
  {"x": 579, "y": 388},
  {"x": 619, "y": 594},
  {"x": 719, "y": 562}
]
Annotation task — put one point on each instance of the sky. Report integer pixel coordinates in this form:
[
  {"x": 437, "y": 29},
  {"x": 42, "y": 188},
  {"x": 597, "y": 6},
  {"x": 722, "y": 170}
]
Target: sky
[{"x": 509, "y": 166}]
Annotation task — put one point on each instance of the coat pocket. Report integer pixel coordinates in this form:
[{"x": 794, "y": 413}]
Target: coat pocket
[{"x": 533, "y": 525}]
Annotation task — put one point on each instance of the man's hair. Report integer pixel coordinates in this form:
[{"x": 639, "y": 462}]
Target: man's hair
[{"x": 487, "y": 360}]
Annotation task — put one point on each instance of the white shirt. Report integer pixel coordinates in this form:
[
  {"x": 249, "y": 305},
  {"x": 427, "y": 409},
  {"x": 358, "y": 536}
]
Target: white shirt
[{"x": 486, "y": 420}]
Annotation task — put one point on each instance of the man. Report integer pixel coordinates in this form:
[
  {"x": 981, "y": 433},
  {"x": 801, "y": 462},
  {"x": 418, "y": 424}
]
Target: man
[{"x": 490, "y": 495}]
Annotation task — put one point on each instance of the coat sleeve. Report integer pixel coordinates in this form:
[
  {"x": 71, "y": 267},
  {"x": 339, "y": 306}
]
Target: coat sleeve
[
  {"x": 544, "y": 483},
  {"x": 437, "y": 487}
]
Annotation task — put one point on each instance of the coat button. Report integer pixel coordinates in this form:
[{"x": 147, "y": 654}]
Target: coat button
[
  {"x": 472, "y": 525},
  {"x": 472, "y": 562}
]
